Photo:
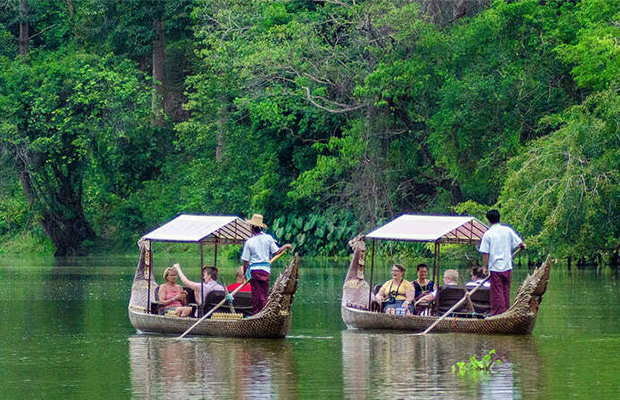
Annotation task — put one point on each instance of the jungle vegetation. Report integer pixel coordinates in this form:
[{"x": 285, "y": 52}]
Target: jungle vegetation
[{"x": 328, "y": 117}]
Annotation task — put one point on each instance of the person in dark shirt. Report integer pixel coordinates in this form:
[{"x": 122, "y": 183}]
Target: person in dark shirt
[{"x": 422, "y": 285}]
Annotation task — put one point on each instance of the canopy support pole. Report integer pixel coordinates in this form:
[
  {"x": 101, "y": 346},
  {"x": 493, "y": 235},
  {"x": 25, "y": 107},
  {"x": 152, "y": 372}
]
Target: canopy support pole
[
  {"x": 148, "y": 271},
  {"x": 372, "y": 270},
  {"x": 202, "y": 267},
  {"x": 436, "y": 265},
  {"x": 438, "y": 259},
  {"x": 215, "y": 255}
]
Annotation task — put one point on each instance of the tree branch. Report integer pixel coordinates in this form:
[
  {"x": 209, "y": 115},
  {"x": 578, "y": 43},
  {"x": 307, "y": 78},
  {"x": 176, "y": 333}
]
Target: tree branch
[
  {"x": 43, "y": 31},
  {"x": 344, "y": 108}
]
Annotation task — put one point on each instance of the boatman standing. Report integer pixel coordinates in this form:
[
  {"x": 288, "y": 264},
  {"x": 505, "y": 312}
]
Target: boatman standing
[
  {"x": 496, "y": 246},
  {"x": 257, "y": 251}
]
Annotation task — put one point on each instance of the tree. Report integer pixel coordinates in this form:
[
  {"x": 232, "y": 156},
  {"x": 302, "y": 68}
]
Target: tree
[
  {"x": 55, "y": 107},
  {"x": 24, "y": 34},
  {"x": 595, "y": 55},
  {"x": 156, "y": 34},
  {"x": 501, "y": 76},
  {"x": 563, "y": 191}
]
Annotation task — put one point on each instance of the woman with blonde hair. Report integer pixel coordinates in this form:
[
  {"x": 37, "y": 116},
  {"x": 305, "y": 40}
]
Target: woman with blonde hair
[{"x": 172, "y": 296}]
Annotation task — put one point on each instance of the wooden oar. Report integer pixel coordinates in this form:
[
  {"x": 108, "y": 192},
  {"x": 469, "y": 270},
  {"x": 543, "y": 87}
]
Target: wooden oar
[
  {"x": 230, "y": 302},
  {"x": 454, "y": 307},
  {"x": 213, "y": 310},
  {"x": 276, "y": 257},
  {"x": 467, "y": 294},
  {"x": 218, "y": 305}
]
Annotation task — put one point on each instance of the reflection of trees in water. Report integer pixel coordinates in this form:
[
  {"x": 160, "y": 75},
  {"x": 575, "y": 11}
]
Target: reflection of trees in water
[
  {"x": 400, "y": 365},
  {"x": 211, "y": 368}
]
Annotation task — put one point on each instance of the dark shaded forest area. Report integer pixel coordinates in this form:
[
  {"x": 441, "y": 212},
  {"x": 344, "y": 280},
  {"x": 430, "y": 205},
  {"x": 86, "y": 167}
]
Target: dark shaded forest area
[{"x": 328, "y": 117}]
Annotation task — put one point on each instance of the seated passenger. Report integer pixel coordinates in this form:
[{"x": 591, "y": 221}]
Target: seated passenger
[
  {"x": 476, "y": 277},
  {"x": 450, "y": 278},
  {"x": 422, "y": 285},
  {"x": 397, "y": 293},
  {"x": 208, "y": 285},
  {"x": 240, "y": 277},
  {"x": 172, "y": 296}
]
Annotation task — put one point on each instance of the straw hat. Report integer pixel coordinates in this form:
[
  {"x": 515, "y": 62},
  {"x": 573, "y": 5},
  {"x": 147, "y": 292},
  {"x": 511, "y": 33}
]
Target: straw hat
[{"x": 257, "y": 220}]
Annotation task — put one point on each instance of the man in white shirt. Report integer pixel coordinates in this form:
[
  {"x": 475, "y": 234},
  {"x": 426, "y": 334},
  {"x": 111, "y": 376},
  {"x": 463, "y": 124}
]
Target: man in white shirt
[
  {"x": 496, "y": 246},
  {"x": 257, "y": 253}
]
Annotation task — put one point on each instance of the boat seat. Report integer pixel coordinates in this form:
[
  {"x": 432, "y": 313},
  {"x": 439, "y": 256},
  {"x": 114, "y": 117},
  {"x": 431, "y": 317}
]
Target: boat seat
[
  {"x": 481, "y": 301},
  {"x": 448, "y": 296},
  {"x": 156, "y": 306},
  {"x": 242, "y": 302},
  {"x": 375, "y": 306},
  {"x": 376, "y": 289},
  {"x": 424, "y": 308},
  {"x": 191, "y": 296}
]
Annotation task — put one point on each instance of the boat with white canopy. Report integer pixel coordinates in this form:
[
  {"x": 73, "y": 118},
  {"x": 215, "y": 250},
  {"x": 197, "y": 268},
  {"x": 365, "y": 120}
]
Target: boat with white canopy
[
  {"x": 357, "y": 298},
  {"x": 272, "y": 322}
]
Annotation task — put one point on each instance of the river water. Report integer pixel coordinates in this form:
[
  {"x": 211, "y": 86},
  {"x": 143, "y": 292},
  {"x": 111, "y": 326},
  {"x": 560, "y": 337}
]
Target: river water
[{"x": 65, "y": 335}]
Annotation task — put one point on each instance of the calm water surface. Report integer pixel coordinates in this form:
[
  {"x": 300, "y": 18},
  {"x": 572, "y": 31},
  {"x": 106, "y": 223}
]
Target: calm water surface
[{"x": 66, "y": 335}]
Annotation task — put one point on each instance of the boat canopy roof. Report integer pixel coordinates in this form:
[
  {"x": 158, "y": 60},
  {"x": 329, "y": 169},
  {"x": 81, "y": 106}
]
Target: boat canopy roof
[
  {"x": 431, "y": 228},
  {"x": 202, "y": 228}
]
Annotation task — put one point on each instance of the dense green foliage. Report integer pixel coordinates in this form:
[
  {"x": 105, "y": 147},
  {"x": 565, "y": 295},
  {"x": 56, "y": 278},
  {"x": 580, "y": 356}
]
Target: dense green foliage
[{"x": 326, "y": 116}]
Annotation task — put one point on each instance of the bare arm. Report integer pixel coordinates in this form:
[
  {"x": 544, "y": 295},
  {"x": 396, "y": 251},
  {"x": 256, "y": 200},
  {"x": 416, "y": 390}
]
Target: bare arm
[
  {"x": 485, "y": 262},
  {"x": 283, "y": 248},
  {"x": 245, "y": 267},
  {"x": 192, "y": 285},
  {"x": 162, "y": 294},
  {"x": 379, "y": 296},
  {"x": 410, "y": 296},
  {"x": 428, "y": 297}
]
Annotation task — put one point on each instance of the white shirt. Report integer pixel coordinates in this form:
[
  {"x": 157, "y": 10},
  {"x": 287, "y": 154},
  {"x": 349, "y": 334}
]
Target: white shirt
[
  {"x": 473, "y": 284},
  {"x": 498, "y": 242},
  {"x": 258, "y": 249}
]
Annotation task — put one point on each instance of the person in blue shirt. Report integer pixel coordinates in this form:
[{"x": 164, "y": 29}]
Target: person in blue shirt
[{"x": 257, "y": 253}]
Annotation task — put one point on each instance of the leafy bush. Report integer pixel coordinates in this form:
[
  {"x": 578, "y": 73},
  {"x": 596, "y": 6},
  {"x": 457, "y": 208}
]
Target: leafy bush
[{"x": 319, "y": 234}]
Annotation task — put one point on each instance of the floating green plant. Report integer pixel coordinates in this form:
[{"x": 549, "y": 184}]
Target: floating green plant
[{"x": 484, "y": 364}]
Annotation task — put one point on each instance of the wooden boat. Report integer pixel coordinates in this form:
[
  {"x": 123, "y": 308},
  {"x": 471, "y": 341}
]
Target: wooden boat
[
  {"x": 273, "y": 321},
  {"x": 518, "y": 319}
]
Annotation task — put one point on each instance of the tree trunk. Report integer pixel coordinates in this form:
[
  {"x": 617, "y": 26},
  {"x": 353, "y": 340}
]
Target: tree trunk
[
  {"x": 159, "y": 73},
  {"x": 24, "y": 35},
  {"x": 221, "y": 131},
  {"x": 67, "y": 233},
  {"x": 59, "y": 198},
  {"x": 614, "y": 259},
  {"x": 70, "y": 5},
  {"x": 63, "y": 216}
]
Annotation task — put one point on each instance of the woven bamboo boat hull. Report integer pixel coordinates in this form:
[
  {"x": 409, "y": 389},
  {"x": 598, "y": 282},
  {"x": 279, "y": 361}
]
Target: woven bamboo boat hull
[
  {"x": 262, "y": 325},
  {"x": 519, "y": 319},
  {"x": 501, "y": 324},
  {"x": 274, "y": 321}
]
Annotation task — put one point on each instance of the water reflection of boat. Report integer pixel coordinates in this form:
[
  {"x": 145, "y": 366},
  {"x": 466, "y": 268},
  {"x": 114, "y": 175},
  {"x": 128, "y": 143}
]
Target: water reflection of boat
[
  {"x": 164, "y": 367},
  {"x": 356, "y": 298},
  {"x": 273, "y": 321},
  {"x": 401, "y": 365}
]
